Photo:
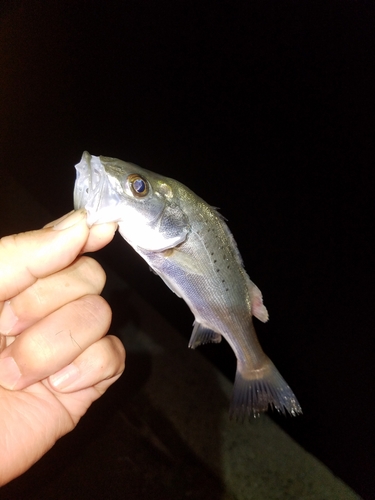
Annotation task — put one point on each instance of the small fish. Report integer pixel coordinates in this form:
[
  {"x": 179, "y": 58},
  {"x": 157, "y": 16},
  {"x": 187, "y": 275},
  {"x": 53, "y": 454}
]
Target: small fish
[{"x": 187, "y": 243}]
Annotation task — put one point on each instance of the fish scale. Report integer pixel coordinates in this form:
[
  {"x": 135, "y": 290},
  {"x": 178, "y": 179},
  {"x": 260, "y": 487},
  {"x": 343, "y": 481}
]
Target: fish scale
[{"x": 189, "y": 245}]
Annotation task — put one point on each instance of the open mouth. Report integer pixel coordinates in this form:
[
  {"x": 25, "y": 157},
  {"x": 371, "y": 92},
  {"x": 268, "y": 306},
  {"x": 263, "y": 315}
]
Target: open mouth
[
  {"x": 89, "y": 173},
  {"x": 93, "y": 191}
]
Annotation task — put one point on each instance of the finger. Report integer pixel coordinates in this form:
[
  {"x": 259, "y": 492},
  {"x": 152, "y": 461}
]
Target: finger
[
  {"x": 99, "y": 236},
  {"x": 2, "y": 343},
  {"x": 25, "y": 257},
  {"x": 99, "y": 365},
  {"x": 83, "y": 277},
  {"x": 5, "y": 340},
  {"x": 54, "y": 342}
]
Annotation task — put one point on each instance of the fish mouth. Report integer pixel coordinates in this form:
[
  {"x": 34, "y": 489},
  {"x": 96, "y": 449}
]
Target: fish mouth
[{"x": 93, "y": 191}]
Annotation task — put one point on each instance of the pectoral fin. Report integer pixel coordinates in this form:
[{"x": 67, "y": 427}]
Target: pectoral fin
[
  {"x": 184, "y": 261},
  {"x": 203, "y": 335}
]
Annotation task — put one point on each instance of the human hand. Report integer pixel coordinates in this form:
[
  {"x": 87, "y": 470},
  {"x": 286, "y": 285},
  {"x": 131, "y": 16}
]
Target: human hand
[{"x": 55, "y": 360}]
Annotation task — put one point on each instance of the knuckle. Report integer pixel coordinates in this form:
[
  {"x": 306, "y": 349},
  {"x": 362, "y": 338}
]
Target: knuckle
[
  {"x": 95, "y": 310},
  {"x": 92, "y": 272},
  {"x": 115, "y": 356},
  {"x": 119, "y": 348}
]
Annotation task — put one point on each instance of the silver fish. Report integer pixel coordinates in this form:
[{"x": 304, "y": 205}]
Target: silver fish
[{"x": 187, "y": 243}]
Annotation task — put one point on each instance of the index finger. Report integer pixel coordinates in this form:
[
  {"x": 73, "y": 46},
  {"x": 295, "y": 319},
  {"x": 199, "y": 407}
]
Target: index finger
[{"x": 26, "y": 257}]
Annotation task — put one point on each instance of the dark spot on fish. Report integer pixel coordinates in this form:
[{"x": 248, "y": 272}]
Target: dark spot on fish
[
  {"x": 217, "y": 270},
  {"x": 223, "y": 281},
  {"x": 226, "y": 289},
  {"x": 212, "y": 253},
  {"x": 228, "y": 267},
  {"x": 214, "y": 261}
]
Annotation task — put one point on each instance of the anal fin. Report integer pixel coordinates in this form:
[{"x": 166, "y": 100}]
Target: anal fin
[{"x": 203, "y": 335}]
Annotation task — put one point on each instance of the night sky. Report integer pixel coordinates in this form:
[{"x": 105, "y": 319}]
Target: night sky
[{"x": 264, "y": 109}]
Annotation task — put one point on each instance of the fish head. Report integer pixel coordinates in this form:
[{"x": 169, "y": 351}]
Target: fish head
[{"x": 140, "y": 201}]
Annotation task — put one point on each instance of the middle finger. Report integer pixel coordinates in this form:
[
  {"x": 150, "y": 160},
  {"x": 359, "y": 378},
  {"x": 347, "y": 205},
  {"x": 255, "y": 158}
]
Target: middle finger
[{"x": 83, "y": 277}]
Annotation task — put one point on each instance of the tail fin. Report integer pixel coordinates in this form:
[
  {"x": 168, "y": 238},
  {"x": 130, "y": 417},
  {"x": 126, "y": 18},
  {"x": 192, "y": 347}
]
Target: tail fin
[{"x": 257, "y": 390}]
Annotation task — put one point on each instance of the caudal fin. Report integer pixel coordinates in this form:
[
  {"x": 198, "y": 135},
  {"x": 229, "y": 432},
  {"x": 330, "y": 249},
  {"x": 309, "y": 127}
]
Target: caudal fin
[{"x": 256, "y": 391}]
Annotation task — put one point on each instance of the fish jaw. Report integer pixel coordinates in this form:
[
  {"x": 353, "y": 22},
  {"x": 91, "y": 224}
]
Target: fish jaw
[{"x": 92, "y": 186}]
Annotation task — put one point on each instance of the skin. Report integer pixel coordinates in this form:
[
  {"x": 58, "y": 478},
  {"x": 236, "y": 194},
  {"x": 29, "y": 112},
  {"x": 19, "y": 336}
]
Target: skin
[{"x": 53, "y": 326}]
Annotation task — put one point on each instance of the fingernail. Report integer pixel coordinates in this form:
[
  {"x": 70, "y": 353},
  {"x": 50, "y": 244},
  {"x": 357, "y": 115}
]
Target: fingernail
[
  {"x": 56, "y": 221},
  {"x": 7, "y": 318},
  {"x": 9, "y": 373},
  {"x": 70, "y": 219},
  {"x": 63, "y": 378}
]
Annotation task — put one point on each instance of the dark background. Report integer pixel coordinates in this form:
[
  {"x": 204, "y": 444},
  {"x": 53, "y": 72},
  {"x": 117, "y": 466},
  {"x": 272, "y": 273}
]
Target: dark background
[{"x": 263, "y": 108}]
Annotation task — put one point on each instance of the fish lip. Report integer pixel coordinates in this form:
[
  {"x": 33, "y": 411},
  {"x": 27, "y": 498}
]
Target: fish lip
[
  {"x": 81, "y": 190},
  {"x": 91, "y": 187}
]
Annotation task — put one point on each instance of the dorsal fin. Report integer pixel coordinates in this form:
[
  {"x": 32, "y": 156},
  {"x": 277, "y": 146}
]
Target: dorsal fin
[{"x": 233, "y": 244}]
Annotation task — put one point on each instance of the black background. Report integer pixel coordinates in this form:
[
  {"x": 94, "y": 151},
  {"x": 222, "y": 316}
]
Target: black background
[{"x": 266, "y": 110}]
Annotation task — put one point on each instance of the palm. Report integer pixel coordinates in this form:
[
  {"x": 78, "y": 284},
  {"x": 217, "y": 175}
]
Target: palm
[{"x": 37, "y": 417}]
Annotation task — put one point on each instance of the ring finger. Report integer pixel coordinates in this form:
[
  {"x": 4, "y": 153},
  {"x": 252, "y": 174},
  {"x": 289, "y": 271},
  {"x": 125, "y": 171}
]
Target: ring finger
[{"x": 54, "y": 341}]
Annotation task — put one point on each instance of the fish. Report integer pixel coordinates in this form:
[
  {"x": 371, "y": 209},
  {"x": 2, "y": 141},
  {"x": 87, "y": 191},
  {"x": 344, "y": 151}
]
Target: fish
[{"x": 188, "y": 244}]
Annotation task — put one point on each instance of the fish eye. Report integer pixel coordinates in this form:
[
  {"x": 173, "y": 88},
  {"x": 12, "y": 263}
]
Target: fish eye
[{"x": 138, "y": 185}]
